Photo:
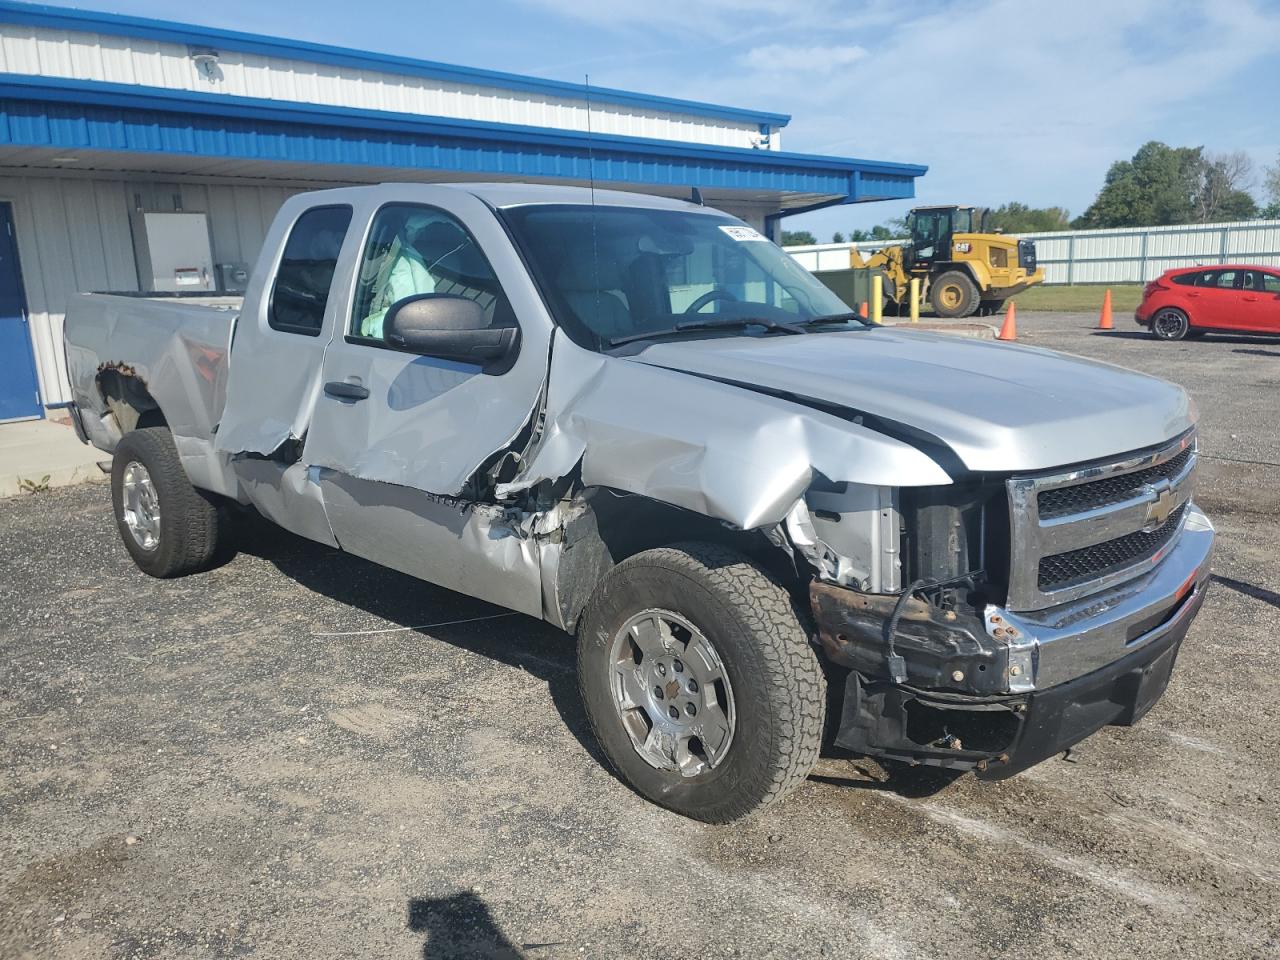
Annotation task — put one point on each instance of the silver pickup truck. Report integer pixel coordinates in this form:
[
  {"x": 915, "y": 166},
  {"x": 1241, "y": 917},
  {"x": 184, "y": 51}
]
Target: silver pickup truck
[{"x": 638, "y": 419}]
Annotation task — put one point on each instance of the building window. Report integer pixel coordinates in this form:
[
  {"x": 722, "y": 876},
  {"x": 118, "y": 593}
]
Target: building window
[{"x": 301, "y": 289}]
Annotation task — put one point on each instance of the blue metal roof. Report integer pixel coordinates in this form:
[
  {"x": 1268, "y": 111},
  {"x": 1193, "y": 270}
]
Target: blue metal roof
[
  {"x": 78, "y": 114},
  {"x": 113, "y": 24}
]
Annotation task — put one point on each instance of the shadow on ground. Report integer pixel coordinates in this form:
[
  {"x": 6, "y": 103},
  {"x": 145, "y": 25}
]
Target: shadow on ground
[
  {"x": 461, "y": 926},
  {"x": 540, "y": 649},
  {"x": 1249, "y": 589}
]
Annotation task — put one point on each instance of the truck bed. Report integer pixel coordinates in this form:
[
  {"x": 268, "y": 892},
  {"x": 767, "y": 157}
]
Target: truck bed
[{"x": 173, "y": 345}]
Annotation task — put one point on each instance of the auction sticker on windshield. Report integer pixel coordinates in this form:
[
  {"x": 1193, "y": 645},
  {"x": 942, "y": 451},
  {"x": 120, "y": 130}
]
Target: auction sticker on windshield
[{"x": 742, "y": 234}]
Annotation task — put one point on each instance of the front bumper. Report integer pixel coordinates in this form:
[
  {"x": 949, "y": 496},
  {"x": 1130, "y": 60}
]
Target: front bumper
[{"x": 1033, "y": 684}]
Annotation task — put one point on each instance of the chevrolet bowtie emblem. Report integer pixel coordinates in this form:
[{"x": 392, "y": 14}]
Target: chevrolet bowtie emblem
[{"x": 1158, "y": 510}]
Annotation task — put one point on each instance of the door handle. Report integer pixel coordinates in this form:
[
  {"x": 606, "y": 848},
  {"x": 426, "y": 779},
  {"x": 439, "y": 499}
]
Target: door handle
[
  {"x": 1193, "y": 295},
  {"x": 341, "y": 390},
  {"x": 1250, "y": 299}
]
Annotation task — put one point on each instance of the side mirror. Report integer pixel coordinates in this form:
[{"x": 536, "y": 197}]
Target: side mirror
[{"x": 449, "y": 327}]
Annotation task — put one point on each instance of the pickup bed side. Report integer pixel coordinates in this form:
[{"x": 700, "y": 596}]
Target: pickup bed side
[{"x": 143, "y": 361}]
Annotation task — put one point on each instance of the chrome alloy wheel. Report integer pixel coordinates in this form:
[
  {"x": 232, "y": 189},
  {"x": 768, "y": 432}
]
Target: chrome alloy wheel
[
  {"x": 672, "y": 693},
  {"x": 1169, "y": 324},
  {"x": 140, "y": 505}
]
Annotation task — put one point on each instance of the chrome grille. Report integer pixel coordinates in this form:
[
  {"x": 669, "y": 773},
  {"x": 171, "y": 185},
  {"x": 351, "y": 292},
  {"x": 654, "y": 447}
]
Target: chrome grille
[
  {"x": 1078, "y": 532},
  {"x": 1100, "y": 493},
  {"x": 1088, "y": 563}
]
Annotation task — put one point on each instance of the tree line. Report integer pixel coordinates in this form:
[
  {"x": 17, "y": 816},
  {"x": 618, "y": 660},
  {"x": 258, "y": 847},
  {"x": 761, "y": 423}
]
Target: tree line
[{"x": 1159, "y": 186}]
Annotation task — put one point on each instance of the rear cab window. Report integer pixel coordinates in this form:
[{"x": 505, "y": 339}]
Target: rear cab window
[{"x": 300, "y": 292}]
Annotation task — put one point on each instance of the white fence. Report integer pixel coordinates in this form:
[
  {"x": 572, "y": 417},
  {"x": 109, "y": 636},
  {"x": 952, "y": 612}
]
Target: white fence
[
  {"x": 1143, "y": 253},
  {"x": 1131, "y": 255}
]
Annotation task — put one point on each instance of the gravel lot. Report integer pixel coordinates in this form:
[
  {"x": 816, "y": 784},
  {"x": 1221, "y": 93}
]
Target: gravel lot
[{"x": 263, "y": 761}]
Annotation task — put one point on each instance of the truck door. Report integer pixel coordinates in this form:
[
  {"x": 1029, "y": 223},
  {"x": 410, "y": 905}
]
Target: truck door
[
  {"x": 401, "y": 444},
  {"x": 276, "y": 356}
]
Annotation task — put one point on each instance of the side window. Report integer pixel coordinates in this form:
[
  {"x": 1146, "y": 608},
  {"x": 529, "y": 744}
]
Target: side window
[
  {"x": 301, "y": 288},
  {"x": 1186, "y": 279},
  {"x": 1259, "y": 282},
  {"x": 415, "y": 250},
  {"x": 1222, "y": 279}
]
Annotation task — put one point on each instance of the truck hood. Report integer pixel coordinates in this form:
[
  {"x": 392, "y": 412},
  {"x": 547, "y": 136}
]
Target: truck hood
[{"x": 999, "y": 407}]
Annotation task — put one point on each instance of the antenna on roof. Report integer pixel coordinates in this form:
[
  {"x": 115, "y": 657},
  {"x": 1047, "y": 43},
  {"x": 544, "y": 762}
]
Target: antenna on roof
[
  {"x": 591, "y": 181},
  {"x": 696, "y": 197}
]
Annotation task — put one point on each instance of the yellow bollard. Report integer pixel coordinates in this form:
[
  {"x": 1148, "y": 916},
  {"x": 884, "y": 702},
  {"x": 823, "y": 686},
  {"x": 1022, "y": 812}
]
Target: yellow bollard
[
  {"x": 915, "y": 299},
  {"x": 877, "y": 297}
]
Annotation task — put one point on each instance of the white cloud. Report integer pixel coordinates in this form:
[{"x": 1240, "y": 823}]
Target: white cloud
[
  {"x": 780, "y": 58},
  {"x": 1025, "y": 100}
]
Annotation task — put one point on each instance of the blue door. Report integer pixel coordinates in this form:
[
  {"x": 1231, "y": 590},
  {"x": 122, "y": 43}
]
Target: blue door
[{"x": 19, "y": 394}]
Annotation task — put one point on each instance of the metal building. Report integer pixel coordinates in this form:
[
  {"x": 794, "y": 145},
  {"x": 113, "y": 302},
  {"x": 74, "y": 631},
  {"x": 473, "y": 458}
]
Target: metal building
[{"x": 139, "y": 154}]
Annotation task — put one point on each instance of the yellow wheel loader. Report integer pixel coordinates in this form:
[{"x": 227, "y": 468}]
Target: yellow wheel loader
[{"x": 962, "y": 268}]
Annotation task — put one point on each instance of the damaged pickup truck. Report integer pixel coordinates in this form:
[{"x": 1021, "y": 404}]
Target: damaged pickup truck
[{"x": 639, "y": 420}]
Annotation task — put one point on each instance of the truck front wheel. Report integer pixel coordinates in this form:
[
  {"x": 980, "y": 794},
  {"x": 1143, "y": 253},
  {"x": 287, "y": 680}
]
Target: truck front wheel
[
  {"x": 168, "y": 526},
  {"x": 699, "y": 681},
  {"x": 953, "y": 295}
]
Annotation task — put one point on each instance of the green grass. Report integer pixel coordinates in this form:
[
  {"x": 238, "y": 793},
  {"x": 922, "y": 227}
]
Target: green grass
[{"x": 1080, "y": 298}]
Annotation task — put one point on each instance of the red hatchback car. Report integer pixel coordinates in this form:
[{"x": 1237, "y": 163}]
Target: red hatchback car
[{"x": 1193, "y": 301}]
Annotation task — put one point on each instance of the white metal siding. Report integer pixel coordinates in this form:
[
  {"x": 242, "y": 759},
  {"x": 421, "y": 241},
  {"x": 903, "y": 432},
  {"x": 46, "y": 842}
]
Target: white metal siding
[
  {"x": 1138, "y": 254},
  {"x": 90, "y": 56},
  {"x": 74, "y": 236}
]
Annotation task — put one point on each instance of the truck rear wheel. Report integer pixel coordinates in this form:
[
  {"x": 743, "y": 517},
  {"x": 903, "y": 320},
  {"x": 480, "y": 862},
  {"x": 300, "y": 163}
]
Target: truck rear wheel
[
  {"x": 168, "y": 526},
  {"x": 699, "y": 681},
  {"x": 953, "y": 295}
]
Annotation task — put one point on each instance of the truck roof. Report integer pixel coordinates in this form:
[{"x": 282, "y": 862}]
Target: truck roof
[{"x": 521, "y": 194}]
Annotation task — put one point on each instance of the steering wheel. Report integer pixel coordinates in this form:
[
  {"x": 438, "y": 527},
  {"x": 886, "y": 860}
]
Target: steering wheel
[{"x": 709, "y": 297}]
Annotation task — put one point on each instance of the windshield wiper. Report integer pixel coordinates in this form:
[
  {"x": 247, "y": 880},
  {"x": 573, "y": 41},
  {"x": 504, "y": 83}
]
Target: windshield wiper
[
  {"x": 689, "y": 326},
  {"x": 833, "y": 318}
]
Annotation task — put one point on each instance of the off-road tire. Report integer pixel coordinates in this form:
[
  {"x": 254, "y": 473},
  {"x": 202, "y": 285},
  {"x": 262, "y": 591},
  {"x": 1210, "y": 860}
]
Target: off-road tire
[
  {"x": 1170, "y": 324},
  {"x": 191, "y": 522},
  {"x": 966, "y": 298},
  {"x": 777, "y": 682}
]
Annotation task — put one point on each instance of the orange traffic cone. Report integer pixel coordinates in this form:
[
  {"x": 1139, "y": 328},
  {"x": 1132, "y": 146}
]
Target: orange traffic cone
[
  {"x": 1009, "y": 330},
  {"x": 862, "y": 310},
  {"x": 1104, "y": 321}
]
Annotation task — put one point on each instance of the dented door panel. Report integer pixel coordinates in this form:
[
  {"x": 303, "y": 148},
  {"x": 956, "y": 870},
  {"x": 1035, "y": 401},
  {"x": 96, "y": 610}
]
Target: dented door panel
[
  {"x": 275, "y": 373},
  {"x": 474, "y": 548},
  {"x": 287, "y": 495}
]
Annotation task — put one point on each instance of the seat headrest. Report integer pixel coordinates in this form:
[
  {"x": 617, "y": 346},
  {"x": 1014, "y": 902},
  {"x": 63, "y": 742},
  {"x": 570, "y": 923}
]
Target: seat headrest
[
  {"x": 583, "y": 270},
  {"x": 437, "y": 239}
]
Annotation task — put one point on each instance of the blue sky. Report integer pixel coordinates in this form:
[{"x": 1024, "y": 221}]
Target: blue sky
[{"x": 1003, "y": 100}]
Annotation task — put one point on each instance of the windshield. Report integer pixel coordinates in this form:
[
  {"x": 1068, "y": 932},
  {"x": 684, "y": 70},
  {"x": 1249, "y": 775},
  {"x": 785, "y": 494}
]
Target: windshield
[{"x": 610, "y": 273}]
